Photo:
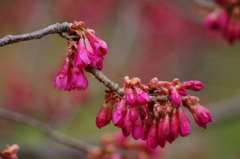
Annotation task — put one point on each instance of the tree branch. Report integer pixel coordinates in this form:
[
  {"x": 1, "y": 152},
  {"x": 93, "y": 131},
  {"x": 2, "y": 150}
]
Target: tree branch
[
  {"x": 55, "y": 28},
  {"x": 208, "y": 4},
  {"x": 107, "y": 82},
  {"x": 114, "y": 86},
  {"x": 62, "y": 30},
  {"x": 58, "y": 136}
]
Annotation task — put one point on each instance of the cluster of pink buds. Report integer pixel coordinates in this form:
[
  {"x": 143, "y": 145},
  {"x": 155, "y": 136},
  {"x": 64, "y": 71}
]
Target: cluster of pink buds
[
  {"x": 88, "y": 50},
  {"x": 117, "y": 146},
  {"x": 226, "y": 18},
  {"x": 10, "y": 152},
  {"x": 155, "y": 112}
]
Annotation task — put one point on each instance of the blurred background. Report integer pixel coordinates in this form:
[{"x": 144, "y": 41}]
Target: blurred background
[{"x": 146, "y": 39}]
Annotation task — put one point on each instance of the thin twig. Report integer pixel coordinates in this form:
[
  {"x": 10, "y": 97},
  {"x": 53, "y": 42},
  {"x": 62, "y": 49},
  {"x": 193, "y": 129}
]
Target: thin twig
[
  {"x": 114, "y": 86},
  {"x": 55, "y": 28},
  {"x": 107, "y": 82},
  {"x": 58, "y": 136},
  {"x": 68, "y": 37}
]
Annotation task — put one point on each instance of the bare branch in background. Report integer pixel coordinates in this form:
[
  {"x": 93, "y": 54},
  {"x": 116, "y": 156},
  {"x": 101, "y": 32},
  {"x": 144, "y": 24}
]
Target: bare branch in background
[
  {"x": 208, "y": 4},
  {"x": 58, "y": 136}
]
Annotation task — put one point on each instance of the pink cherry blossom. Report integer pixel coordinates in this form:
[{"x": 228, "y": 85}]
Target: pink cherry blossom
[
  {"x": 63, "y": 79},
  {"x": 79, "y": 80}
]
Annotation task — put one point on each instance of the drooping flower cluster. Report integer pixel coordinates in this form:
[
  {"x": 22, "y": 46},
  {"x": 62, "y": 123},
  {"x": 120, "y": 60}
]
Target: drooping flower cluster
[
  {"x": 117, "y": 146},
  {"x": 10, "y": 152},
  {"x": 226, "y": 18},
  {"x": 88, "y": 50},
  {"x": 158, "y": 119}
]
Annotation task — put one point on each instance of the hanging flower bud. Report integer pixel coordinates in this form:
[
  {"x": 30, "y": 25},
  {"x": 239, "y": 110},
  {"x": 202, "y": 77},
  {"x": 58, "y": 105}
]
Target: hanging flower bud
[
  {"x": 79, "y": 80},
  {"x": 99, "y": 45},
  {"x": 120, "y": 113},
  {"x": 63, "y": 79},
  {"x": 184, "y": 123},
  {"x": 128, "y": 126},
  {"x": 201, "y": 115},
  {"x": 147, "y": 122},
  {"x": 104, "y": 116},
  {"x": 81, "y": 59},
  {"x": 152, "y": 139},
  {"x": 175, "y": 96},
  {"x": 137, "y": 132},
  {"x": 174, "y": 131},
  {"x": 163, "y": 130}
]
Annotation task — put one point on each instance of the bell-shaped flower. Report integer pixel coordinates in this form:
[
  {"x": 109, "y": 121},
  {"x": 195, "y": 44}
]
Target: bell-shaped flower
[
  {"x": 63, "y": 79},
  {"x": 100, "y": 46},
  {"x": 79, "y": 80}
]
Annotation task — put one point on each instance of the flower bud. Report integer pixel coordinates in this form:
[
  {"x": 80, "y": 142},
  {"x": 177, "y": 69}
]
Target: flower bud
[
  {"x": 152, "y": 138},
  {"x": 201, "y": 115},
  {"x": 184, "y": 123},
  {"x": 173, "y": 135},
  {"x": 63, "y": 79},
  {"x": 79, "y": 80},
  {"x": 120, "y": 113},
  {"x": 175, "y": 97},
  {"x": 130, "y": 97},
  {"x": 137, "y": 132},
  {"x": 98, "y": 44},
  {"x": 163, "y": 130},
  {"x": 128, "y": 126},
  {"x": 104, "y": 116}
]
